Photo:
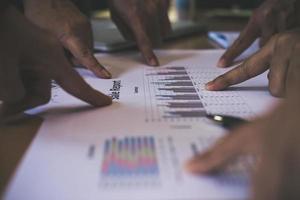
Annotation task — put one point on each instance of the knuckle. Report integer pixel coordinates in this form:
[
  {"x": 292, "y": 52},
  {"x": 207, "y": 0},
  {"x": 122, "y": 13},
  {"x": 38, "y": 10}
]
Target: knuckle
[
  {"x": 85, "y": 53},
  {"x": 64, "y": 35},
  {"x": 223, "y": 80},
  {"x": 244, "y": 70},
  {"x": 275, "y": 84},
  {"x": 80, "y": 88}
]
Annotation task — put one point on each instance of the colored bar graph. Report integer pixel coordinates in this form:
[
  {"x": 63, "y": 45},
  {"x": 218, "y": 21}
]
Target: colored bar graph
[{"x": 130, "y": 156}]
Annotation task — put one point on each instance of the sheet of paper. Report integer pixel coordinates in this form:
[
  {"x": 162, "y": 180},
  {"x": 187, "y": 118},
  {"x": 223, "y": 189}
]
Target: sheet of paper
[{"x": 136, "y": 148}]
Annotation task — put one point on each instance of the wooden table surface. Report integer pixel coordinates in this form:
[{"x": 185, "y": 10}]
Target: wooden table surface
[{"x": 15, "y": 138}]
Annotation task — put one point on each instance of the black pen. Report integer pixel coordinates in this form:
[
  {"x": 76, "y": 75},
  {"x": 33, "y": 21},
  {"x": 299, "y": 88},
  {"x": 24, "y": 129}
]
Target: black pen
[{"x": 226, "y": 121}]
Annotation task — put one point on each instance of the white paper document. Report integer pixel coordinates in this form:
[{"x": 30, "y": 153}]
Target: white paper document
[{"x": 136, "y": 148}]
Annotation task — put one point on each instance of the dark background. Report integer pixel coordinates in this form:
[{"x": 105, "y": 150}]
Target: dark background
[{"x": 89, "y": 5}]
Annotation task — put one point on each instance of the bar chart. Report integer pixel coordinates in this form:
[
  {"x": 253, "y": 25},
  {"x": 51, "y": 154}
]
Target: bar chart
[
  {"x": 171, "y": 95},
  {"x": 226, "y": 102},
  {"x": 129, "y": 161},
  {"x": 178, "y": 93}
]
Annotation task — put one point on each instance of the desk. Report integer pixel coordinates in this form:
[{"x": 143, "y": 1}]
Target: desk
[{"x": 16, "y": 138}]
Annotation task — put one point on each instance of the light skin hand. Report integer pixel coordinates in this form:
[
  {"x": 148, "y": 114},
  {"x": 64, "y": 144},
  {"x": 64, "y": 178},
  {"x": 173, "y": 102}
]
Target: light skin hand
[
  {"x": 273, "y": 16},
  {"x": 276, "y": 56},
  {"x": 27, "y": 68},
  {"x": 70, "y": 26},
  {"x": 145, "y": 22}
]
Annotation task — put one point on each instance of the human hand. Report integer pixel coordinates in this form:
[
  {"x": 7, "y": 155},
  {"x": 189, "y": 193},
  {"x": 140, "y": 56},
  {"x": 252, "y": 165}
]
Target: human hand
[
  {"x": 277, "y": 174},
  {"x": 277, "y": 56},
  {"x": 274, "y": 140},
  {"x": 29, "y": 59},
  {"x": 244, "y": 140},
  {"x": 70, "y": 26},
  {"x": 145, "y": 22},
  {"x": 273, "y": 16},
  {"x": 252, "y": 138}
]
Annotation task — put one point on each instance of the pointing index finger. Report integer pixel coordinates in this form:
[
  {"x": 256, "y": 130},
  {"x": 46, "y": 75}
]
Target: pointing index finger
[
  {"x": 243, "y": 140},
  {"x": 245, "y": 39},
  {"x": 74, "y": 84},
  {"x": 255, "y": 65},
  {"x": 85, "y": 56},
  {"x": 144, "y": 43}
]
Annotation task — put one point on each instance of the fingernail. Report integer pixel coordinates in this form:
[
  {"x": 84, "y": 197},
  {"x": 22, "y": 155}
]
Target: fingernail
[
  {"x": 153, "y": 61},
  {"x": 221, "y": 63},
  {"x": 109, "y": 100},
  {"x": 105, "y": 73},
  {"x": 209, "y": 85},
  {"x": 103, "y": 100}
]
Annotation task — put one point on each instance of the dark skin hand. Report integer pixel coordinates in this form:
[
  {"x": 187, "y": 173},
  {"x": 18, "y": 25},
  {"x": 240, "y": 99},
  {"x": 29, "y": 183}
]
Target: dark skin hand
[
  {"x": 248, "y": 139},
  {"x": 274, "y": 138},
  {"x": 145, "y": 22},
  {"x": 278, "y": 176},
  {"x": 28, "y": 66},
  {"x": 275, "y": 56},
  {"x": 63, "y": 19},
  {"x": 244, "y": 140},
  {"x": 273, "y": 16}
]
